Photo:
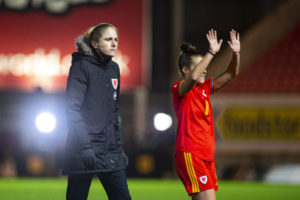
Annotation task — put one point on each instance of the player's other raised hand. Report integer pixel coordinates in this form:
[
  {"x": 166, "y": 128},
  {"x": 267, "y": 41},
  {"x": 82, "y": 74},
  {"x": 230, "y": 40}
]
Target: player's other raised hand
[
  {"x": 234, "y": 42},
  {"x": 214, "y": 44}
]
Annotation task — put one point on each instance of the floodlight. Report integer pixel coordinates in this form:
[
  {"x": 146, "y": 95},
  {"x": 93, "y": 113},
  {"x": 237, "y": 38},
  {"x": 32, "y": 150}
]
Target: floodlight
[
  {"x": 45, "y": 122},
  {"x": 162, "y": 121}
]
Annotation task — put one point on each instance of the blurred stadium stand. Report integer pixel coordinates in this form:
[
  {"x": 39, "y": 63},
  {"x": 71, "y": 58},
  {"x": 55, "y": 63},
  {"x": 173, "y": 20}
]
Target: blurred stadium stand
[{"x": 277, "y": 70}]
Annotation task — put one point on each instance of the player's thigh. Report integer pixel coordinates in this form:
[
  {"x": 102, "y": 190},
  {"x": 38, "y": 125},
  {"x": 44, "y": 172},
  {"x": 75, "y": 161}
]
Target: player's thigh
[{"x": 205, "y": 195}]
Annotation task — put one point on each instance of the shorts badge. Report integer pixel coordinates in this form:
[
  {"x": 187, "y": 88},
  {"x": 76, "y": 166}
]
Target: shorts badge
[{"x": 203, "y": 179}]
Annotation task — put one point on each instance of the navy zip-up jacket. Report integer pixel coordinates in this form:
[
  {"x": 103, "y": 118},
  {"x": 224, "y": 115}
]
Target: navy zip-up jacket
[{"x": 92, "y": 112}]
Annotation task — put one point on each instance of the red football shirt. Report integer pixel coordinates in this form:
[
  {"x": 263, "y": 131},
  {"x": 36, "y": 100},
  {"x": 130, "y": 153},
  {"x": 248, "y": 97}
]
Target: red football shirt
[{"x": 195, "y": 129}]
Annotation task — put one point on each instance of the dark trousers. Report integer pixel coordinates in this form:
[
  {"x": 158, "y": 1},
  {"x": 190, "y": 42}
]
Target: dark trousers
[{"x": 114, "y": 184}]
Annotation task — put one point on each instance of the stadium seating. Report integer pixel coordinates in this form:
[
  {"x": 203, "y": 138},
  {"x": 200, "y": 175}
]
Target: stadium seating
[{"x": 277, "y": 70}]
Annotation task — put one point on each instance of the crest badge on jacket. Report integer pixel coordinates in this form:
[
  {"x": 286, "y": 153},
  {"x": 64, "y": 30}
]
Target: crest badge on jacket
[{"x": 114, "y": 82}]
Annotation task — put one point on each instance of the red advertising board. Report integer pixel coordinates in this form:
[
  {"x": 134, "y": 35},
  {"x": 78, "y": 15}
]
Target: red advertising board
[{"x": 36, "y": 45}]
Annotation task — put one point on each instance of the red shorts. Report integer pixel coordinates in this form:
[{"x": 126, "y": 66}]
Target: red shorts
[{"x": 196, "y": 174}]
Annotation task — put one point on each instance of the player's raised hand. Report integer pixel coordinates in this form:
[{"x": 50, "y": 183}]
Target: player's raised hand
[
  {"x": 214, "y": 44},
  {"x": 234, "y": 42}
]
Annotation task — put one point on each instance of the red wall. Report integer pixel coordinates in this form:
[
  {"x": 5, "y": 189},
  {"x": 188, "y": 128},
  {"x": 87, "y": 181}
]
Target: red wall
[{"x": 23, "y": 33}]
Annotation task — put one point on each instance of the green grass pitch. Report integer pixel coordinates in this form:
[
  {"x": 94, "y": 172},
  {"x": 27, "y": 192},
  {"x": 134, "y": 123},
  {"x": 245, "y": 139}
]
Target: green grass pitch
[{"x": 144, "y": 189}]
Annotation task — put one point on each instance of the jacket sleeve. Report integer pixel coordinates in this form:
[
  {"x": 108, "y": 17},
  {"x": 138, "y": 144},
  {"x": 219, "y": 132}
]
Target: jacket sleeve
[
  {"x": 119, "y": 81},
  {"x": 76, "y": 90}
]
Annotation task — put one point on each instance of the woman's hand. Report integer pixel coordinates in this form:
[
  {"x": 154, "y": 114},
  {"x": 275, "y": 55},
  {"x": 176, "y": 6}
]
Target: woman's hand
[
  {"x": 214, "y": 45},
  {"x": 234, "y": 42}
]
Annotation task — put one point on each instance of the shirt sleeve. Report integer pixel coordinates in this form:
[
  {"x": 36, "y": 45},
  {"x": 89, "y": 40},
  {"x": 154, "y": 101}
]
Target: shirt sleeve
[
  {"x": 175, "y": 89},
  {"x": 176, "y": 96}
]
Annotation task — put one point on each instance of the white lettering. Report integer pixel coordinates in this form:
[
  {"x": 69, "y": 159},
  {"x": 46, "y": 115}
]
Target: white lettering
[
  {"x": 57, "y": 6},
  {"x": 52, "y": 6},
  {"x": 123, "y": 61},
  {"x": 36, "y": 64},
  {"x": 3, "y": 63},
  {"x": 47, "y": 65},
  {"x": 16, "y": 4},
  {"x": 15, "y": 64}
]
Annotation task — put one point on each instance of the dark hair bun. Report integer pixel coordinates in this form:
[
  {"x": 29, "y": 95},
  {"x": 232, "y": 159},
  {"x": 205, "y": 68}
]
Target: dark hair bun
[{"x": 187, "y": 48}]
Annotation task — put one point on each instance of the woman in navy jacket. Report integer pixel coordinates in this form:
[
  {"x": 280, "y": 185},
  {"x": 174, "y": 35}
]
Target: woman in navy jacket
[{"x": 94, "y": 143}]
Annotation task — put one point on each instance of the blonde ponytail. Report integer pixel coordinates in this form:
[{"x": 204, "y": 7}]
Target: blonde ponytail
[{"x": 87, "y": 35}]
